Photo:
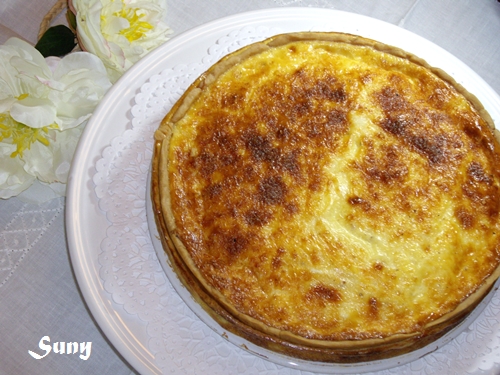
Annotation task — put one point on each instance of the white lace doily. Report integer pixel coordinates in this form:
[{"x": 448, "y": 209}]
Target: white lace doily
[{"x": 132, "y": 274}]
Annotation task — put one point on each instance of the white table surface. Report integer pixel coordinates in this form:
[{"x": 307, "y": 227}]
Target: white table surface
[{"x": 38, "y": 293}]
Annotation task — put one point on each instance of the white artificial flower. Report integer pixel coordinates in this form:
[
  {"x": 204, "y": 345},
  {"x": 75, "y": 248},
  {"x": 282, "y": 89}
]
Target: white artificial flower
[
  {"x": 120, "y": 32},
  {"x": 44, "y": 105},
  {"x": 13, "y": 178}
]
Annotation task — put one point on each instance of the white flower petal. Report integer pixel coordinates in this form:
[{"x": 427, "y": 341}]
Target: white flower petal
[
  {"x": 76, "y": 62},
  {"x": 52, "y": 62},
  {"x": 39, "y": 162},
  {"x": 6, "y": 104},
  {"x": 88, "y": 19},
  {"x": 9, "y": 84},
  {"x": 50, "y": 164},
  {"x": 70, "y": 122},
  {"x": 29, "y": 53},
  {"x": 116, "y": 25},
  {"x": 23, "y": 64},
  {"x": 13, "y": 177},
  {"x": 85, "y": 81},
  {"x": 33, "y": 112},
  {"x": 29, "y": 69}
]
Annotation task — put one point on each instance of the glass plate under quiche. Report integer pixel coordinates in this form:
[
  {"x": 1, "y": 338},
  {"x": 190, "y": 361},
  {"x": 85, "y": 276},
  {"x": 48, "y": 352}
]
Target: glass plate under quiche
[{"x": 329, "y": 197}]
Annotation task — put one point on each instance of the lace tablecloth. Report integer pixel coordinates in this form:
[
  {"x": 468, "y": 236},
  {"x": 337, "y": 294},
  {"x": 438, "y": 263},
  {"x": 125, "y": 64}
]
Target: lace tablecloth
[{"x": 135, "y": 279}]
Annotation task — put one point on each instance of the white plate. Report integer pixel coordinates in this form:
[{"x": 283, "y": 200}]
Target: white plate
[{"x": 86, "y": 223}]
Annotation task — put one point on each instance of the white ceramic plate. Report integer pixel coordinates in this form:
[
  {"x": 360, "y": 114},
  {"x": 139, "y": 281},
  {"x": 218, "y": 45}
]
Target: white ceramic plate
[{"x": 86, "y": 223}]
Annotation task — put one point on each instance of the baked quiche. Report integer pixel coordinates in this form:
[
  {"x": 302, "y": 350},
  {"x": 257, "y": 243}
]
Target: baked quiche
[{"x": 330, "y": 197}]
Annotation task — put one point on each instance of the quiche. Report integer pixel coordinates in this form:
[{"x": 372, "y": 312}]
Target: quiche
[{"x": 330, "y": 197}]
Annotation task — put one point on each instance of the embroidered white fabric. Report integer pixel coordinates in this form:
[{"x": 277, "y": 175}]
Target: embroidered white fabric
[
  {"x": 131, "y": 272},
  {"x": 20, "y": 234}
]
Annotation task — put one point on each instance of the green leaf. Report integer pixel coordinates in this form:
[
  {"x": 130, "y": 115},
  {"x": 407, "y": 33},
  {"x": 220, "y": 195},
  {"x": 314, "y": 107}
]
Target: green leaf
[
  {"x": 57, "y": 41},
  {"x": 70, "y": 16}
]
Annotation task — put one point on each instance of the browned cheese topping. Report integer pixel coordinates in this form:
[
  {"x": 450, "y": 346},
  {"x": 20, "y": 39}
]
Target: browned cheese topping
[{"x": 336, "y": 192}]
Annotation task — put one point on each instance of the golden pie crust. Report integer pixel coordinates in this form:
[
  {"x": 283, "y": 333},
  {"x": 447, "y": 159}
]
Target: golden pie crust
[{"x": 330, "y": 197}]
